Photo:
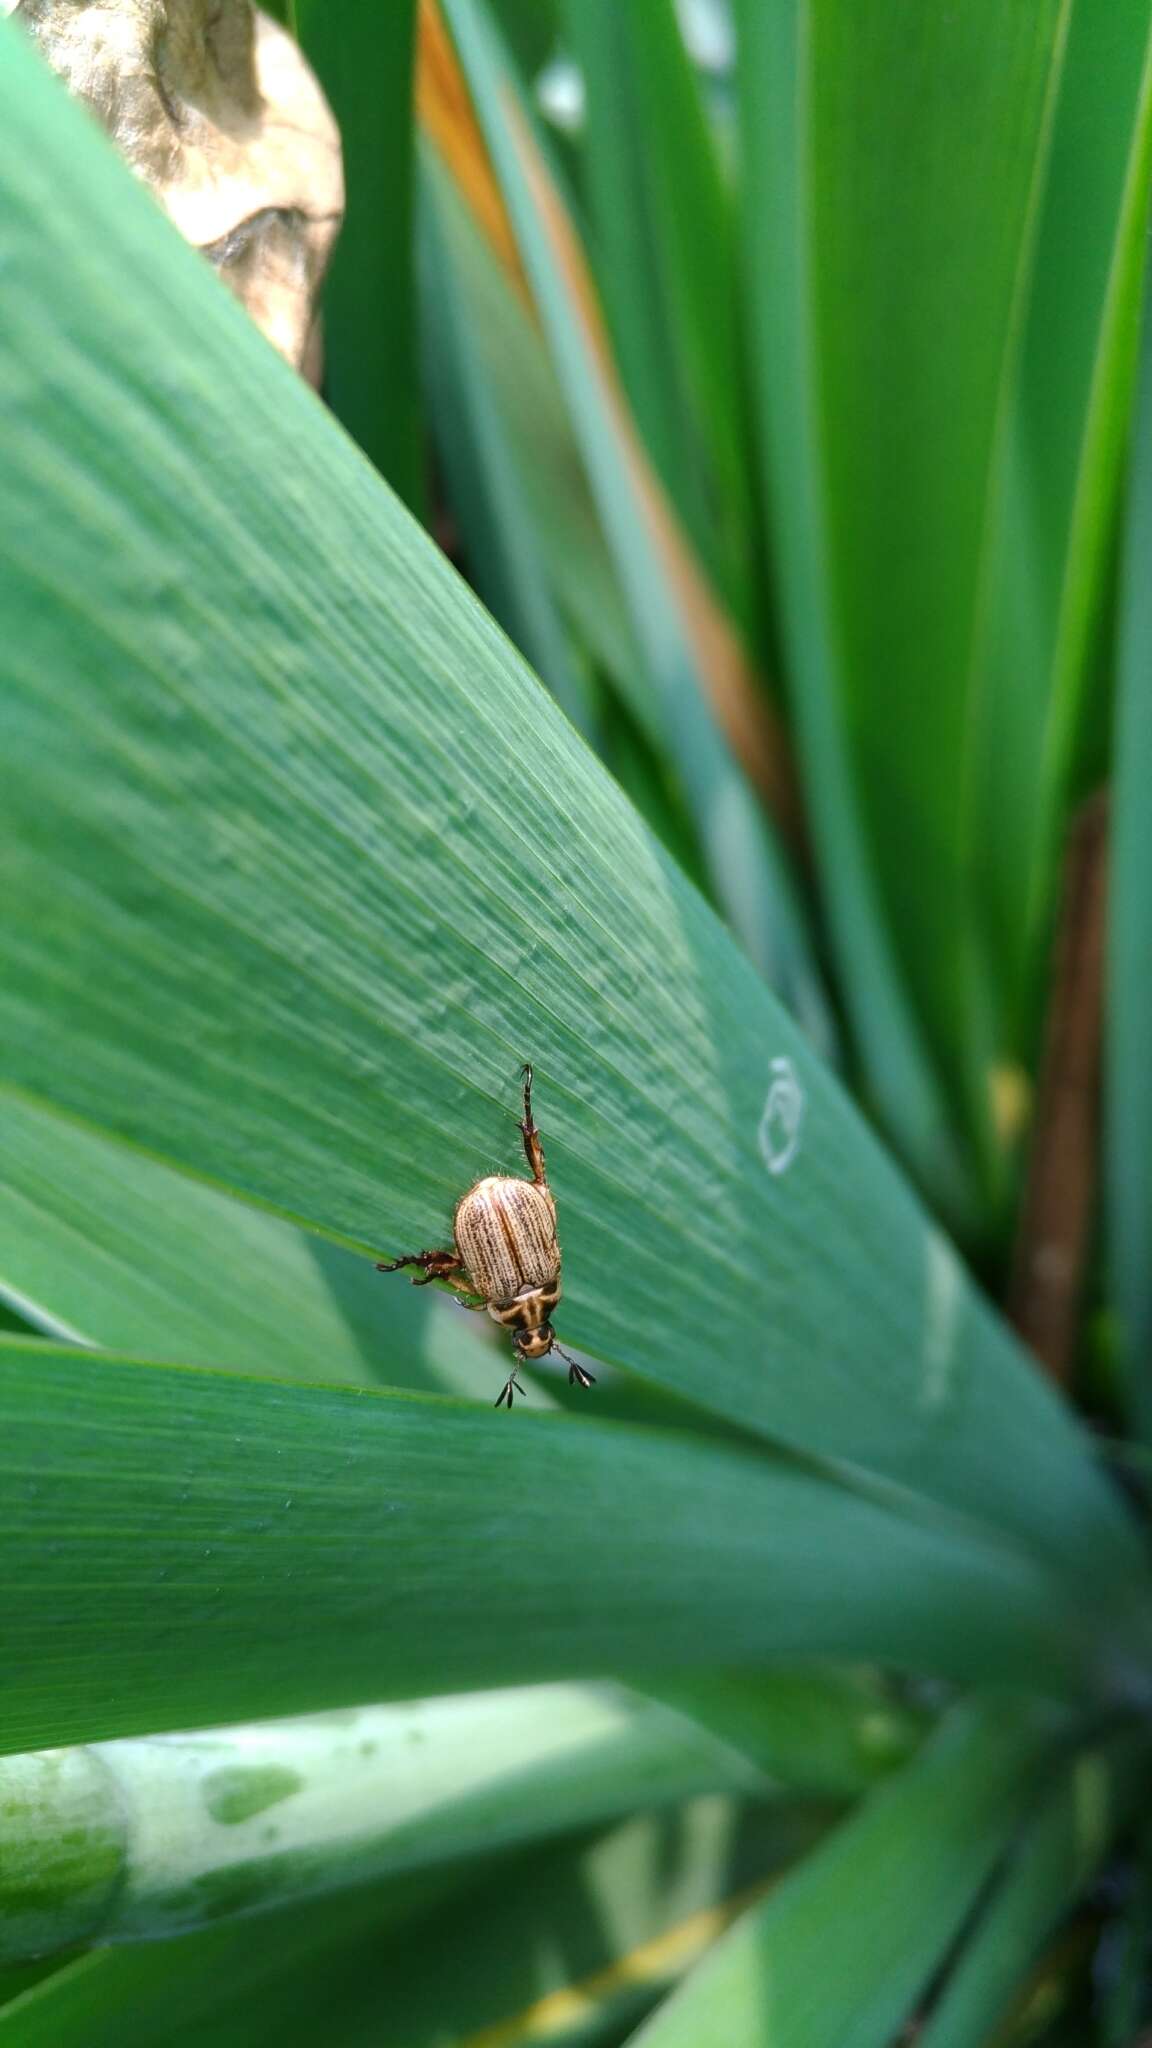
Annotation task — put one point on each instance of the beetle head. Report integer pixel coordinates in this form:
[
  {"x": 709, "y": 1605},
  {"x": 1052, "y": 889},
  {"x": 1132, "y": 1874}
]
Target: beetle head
[{"x": 535, "y": 1343}]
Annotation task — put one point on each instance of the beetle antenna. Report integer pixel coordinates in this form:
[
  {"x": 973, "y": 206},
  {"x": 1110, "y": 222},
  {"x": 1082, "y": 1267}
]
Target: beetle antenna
[{"x": 578, "y": 1376}]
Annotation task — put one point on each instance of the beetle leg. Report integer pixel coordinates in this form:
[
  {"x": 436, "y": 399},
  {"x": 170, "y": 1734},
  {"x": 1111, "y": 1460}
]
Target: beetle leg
[
  {"x": 578, "y": 1375},
  {"x": 436, "y": 1266},
  {"x": 533, "y": 1149}
]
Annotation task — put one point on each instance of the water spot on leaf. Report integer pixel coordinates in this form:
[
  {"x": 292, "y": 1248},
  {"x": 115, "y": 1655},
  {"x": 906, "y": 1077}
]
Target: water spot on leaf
[{"x": 238, "y": 1791}]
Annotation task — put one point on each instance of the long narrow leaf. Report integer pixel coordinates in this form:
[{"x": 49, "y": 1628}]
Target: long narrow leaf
[
  {"x": 504, "y": 556},
  {"x": 822, "y": 1730},
  {"x": 835, "y": 1957},
  {"x": 511, "y": 362},
  {"x": 146, "y": 1838},
  {"x": 145, "y": 1991},
  {"x": 663, "y": 236},
  {"x": 801, "y": 153},
  {"x": 100, "y": 1245},
  {"x": 183, "y": 1547},
  {"x": 568, "y": 1945},
  {"x": 528, "y": 528},
  {"x": 1059, "y": 1855},
  {"x": 363, "y": 54},
  {"x": 1049, "y": 549},
  {"x": 691, "y": 650}
]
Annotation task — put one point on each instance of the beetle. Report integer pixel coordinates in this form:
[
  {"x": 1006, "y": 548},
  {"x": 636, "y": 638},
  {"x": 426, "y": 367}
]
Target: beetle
[{"x": 505, "y": 1257}]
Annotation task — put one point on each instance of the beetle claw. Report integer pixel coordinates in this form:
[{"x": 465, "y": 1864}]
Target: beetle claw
[{"x": 578, "y": 1375}]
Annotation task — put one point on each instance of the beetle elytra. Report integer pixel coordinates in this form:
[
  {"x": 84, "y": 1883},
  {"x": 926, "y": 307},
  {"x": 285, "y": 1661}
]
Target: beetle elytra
[{"x": 505, "y": 1257}]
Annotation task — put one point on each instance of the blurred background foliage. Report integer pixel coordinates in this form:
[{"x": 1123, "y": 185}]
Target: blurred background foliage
[{"x": 773, "y": 376}]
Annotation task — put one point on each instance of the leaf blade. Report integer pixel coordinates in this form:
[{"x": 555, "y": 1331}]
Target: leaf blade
[
  {"x": 1061, "y": 1851},
  {"x": 1036, "y": 732},
  {"x": 904, "y": 1082},
  {"x": 602, "y": 1927},
  {"x": 661, "y": 233},
  {"x": 292, "y": 982},
  {"x": 106, "y": 1247},
  {"x": 143, "y": 1839},
  {"x": 692, "y": 654},
  {"x": 174, "y": 1536},
  {"x": 364, "y": 58},
  {"x": 837, "y": 1954}
]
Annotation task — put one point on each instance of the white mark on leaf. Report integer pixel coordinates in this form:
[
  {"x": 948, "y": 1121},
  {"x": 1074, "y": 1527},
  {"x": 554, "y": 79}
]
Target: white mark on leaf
[
  {"x": 779, "y": 1133},
  {"x": 943, "y": 1292}
]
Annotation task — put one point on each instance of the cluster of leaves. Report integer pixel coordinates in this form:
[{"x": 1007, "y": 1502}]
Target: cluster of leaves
[{"x": 786, "y": 415}]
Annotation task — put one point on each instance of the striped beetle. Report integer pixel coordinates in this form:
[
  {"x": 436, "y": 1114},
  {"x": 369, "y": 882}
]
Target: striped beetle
[{"x": 505, "y": 1257}]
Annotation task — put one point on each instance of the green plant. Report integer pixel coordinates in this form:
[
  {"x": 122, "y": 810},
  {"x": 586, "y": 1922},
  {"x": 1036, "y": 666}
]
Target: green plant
[{"x": 785, "y": 420}]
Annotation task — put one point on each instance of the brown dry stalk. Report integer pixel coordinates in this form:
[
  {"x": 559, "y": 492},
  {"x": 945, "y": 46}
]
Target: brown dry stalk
[
  {"x": 1054, "y": 1234},
  {"x": 446, "y": 114}
]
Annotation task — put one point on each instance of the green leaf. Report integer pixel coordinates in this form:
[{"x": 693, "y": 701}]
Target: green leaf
[
  {"x": 19, "y": 1978},
  {"x": 944, "y": 233},
  {"x": 1047, "y": 1871},
  {"x": 99, "y": 1245},
  {"x": 818, "y": 1729},
  {"x": 572, "y": 1944},
  {"x": 1047, "y": 571},
  {"x": 513, "y": 367},
  {"x": 691, "y": 652},
  {"x": 829, "y": 143},
  {"x": 144, "y": 1838},
  {"x": 183, "y": 1547},
  {"x": 662, "y": 244},
  {"x": 1128, "y": 1073},
  {"x": 299, "y": 862},
  {"x": 102, "y": 1245},
  {"x": 533, "y": 547},
  {"x": 505, "y": 559},
  {"x": 145, "y": 1991},
  {"x": 531, "y": 28},
  {"x": 11, "y": 1321},
  {"x": 835, "y": 1957},
  {"x": 363, "y": 55}
]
